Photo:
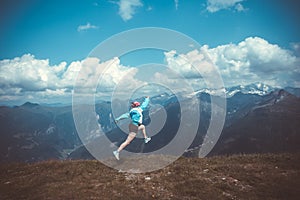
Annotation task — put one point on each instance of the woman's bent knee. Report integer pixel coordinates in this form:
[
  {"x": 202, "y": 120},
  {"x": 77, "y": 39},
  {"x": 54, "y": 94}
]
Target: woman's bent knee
[{"x": 141, "y": 127}]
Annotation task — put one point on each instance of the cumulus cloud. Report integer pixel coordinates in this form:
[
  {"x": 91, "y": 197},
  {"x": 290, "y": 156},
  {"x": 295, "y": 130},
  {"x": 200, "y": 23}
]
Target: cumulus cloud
[
  {"x": 217, "y": 5},
  {"x": 107, "y": 74},
  {"x": 252, "y": 60},
  {"x": 127, "y": 8},
  {"x": 26, "y": 77},
  {"x": 256, "y": 58},
  {"x": 86, "y": 27},
  {"x": 296, "y": 48},
  {"x": 185, "y": 64},
  {"x": 29, "y": 74},
  {"x": 174, "y": 82},
  {"x": 185, "y": 77},
  {"x": 239, "y": 7}
]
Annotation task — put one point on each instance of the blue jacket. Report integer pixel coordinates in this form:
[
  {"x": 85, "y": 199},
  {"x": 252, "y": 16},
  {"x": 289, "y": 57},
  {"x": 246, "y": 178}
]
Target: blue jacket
[{"x": 136, "y": 114}]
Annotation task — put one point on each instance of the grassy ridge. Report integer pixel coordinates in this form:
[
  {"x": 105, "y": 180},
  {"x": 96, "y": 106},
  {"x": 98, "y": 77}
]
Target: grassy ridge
[{"x": 267, "y": 176}]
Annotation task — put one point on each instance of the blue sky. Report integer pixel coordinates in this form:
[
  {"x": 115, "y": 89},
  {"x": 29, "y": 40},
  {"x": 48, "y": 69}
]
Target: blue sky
[
  {"x": 49, "y": 29},
  {"x": 55, "y": 36}
]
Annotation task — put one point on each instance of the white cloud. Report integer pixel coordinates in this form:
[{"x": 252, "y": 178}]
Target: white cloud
[
  {"x": 216, "y": 5},
  {"x": 29, "y": 74},
  {"x": 239, "y": 7},
  {"x": 110, "y": 73},
  {"x": 26, "y": 76},
  {"x": 169, "y": 80},
  {"x": 149, "y": 8},
  {"x": 255, "y": 55},
  {"x": 86, "y": 27},
  {"x": 251, "y": 60},
  {"x": 255, "y": 59},
  {"x": 195, "y": 67},
  {"x": 296, "y": 47},
  {"x": 185, "y": 64},
  {"x": 127, "y": 8},
  {"x": 176, "y": 4}
]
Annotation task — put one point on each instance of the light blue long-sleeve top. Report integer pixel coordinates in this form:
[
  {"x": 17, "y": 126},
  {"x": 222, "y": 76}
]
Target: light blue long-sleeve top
[{"x": 136, "y": 114}]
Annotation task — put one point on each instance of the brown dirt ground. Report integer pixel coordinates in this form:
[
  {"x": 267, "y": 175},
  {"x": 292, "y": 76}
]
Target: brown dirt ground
[{"x": 266, "y": 176}]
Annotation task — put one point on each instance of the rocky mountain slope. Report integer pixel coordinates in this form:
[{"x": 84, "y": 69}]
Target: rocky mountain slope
[
  {"x": 259, "y": 119},
  {"x": 270, "y": 126},
  {"x": 32, "y": 132}
]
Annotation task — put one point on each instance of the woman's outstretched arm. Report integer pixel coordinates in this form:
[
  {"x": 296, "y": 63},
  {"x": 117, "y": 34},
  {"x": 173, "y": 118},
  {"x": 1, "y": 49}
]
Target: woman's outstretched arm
[
  {"x": 145, "y": 103},
  {"x": 124, "y": 116}
]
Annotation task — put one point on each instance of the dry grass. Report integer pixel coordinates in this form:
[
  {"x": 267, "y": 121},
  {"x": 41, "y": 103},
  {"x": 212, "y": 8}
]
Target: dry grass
[{"x": 265, "y": 176}]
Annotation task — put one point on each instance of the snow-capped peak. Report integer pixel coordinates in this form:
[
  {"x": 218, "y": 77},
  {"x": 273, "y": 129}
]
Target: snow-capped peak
[{"x": 255, "y": 88}]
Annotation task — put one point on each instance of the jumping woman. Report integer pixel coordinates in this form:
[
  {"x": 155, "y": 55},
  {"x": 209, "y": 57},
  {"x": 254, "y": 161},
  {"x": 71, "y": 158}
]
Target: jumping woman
[{"x": 136, "y": 116}]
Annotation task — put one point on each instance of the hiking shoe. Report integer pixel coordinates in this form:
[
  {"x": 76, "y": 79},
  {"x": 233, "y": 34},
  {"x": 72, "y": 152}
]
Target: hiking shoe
[
  {"x": 147, "y": 140},
  {"x": 116, "y": 154}
]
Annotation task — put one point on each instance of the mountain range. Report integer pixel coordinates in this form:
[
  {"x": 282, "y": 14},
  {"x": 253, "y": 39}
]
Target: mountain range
[{"x": 259, "y": 119}]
